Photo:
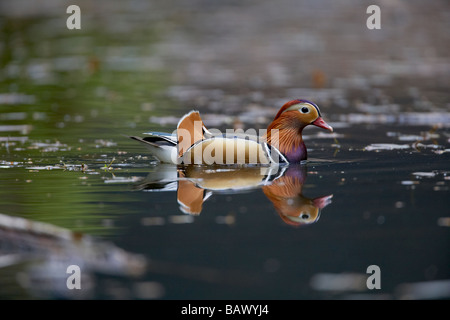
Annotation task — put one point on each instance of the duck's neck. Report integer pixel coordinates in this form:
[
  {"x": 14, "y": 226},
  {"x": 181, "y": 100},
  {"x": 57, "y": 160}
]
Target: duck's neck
[{"x": 286, "y": 135}]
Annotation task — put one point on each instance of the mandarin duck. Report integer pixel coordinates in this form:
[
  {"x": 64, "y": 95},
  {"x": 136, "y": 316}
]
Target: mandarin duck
[{"x": 192, "y": 143}]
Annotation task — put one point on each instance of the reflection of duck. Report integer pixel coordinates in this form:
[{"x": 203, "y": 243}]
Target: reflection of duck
[
  {"x": 193, "y": 143},
  {"x": 282, "y": 186},
  {"x": 196, "y": 184},
  {"x": 287, "y": 197}
]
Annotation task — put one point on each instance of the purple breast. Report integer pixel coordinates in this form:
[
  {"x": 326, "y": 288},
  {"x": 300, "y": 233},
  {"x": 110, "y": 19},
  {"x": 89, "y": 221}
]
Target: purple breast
[{"x": 296, "y": 155}]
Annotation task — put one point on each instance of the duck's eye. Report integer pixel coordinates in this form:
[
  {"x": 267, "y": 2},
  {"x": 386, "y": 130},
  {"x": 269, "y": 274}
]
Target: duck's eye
[{"x": 304, "y": 110}]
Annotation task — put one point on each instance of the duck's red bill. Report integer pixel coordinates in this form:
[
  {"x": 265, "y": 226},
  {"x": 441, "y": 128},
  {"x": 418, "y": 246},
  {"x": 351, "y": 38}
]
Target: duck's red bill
[{"x": 319, "y": 122}]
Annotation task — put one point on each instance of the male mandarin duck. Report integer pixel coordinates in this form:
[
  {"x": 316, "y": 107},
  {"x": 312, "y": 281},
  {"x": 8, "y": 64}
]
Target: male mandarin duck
[{"x": 194, "y": 144}]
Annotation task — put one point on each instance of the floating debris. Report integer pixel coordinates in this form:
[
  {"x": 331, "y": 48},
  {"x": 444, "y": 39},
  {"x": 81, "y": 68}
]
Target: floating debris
[
  {"x": 153, "y": 221},
  {"x": 123, "y": 180},
  {"x": 22, "y": 128},
  {"x": 109, "y": 166},
  {"x": 10, "y": 139},
  {"x": 407, "y": 118},
  {"x": 13, "y": 116},
  {"x": 44, "y": 168},
  {"x": 414, "y": 137},
  {"x": 179, "y": 219},
  {"x": 49, "y": 147},
  {"x": 409, "y": 182},
  {"x": 9, "y": 164},
  {"x": 426, "y": 146},
  {"x": 324, "y": 135},
  {"x": 386, "y": 146},
  {"x": 75, "y": 167},
  {"x": 410, "y": 137},
  {"x": 358, "y": 118},
  {"x": 441, "y": 151},
  {"x": 104, "y": 143},
  {"x": 16, "y": 98},
  {"x": 424, "y": 174}
]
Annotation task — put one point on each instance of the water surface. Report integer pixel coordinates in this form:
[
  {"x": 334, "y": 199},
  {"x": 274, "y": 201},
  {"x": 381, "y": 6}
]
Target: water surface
[{"x": 77, "y": 191}]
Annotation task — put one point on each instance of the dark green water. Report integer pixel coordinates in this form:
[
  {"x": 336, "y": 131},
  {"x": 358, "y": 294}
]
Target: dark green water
[{"x": 70, "y": 98}]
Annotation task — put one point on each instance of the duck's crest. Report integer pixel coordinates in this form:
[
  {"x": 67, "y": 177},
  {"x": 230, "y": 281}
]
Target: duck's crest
[{"x": 287, "y": 106}]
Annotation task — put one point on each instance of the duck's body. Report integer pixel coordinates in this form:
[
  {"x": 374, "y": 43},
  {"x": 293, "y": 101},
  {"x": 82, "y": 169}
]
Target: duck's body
[{"x": 192, "y": 143}]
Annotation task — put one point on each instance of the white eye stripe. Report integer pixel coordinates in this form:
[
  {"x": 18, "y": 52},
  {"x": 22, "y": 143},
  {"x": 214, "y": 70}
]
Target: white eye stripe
[
  {"x": 295, "y": 107},
  {"x": 298, "y": 107}
]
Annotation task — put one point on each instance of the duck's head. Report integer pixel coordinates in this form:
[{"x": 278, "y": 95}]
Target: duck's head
[
  {"x": 299, "y": 113},
  {"x": 285, "y": 131}
]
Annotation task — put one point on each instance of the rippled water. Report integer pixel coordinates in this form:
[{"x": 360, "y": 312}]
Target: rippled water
[{"x": 75, "y": 190}]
